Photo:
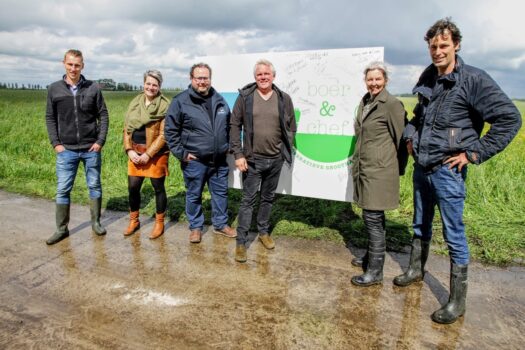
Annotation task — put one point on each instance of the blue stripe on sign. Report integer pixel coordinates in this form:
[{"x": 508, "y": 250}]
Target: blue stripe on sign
[{"x": 230, "y": 98}]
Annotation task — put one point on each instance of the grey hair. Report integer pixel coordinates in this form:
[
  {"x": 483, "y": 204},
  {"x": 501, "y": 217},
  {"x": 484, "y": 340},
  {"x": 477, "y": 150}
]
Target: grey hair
[
  {"x": 379, "y": 66},
  {"x": 155, "y": 74},
  {"x": 264, "y": 62}
]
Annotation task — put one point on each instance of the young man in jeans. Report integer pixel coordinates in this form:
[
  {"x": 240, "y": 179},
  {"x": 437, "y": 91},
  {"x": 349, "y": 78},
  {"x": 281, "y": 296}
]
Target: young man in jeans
[
  {"x": 77, "y": 124},
  {"x": 445, "y": 135}
]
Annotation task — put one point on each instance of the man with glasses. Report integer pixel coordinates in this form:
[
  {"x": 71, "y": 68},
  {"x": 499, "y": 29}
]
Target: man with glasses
[{"x": 197, "y": 132}]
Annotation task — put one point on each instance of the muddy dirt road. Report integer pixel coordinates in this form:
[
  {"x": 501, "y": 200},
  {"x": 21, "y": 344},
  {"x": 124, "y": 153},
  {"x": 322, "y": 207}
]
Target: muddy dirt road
[{"x": 111, "y": 292}]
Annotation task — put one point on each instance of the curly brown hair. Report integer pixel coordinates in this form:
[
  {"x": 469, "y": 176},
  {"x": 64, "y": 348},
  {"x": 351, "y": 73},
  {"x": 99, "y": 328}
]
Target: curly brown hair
[{"x": 444, "y": 27}]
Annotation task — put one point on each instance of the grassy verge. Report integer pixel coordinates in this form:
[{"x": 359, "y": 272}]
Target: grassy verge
[{"x": 493, "y": 213}]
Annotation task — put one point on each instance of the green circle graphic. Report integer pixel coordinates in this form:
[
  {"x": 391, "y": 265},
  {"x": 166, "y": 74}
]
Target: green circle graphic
[{"x": 323, "y": 148}]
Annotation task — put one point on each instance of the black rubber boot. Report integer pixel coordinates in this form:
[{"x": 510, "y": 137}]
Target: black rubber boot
[
  {"x": 375, "y": 225},
  {"x": 374, "y": 273},
  {"x": 361, "y": 261},
  {"x": 455, "y": 307},
  {"x": 416, "y": 268},
  {"x": 62, "y": 220},
  {"x": 95, "y": 208}
]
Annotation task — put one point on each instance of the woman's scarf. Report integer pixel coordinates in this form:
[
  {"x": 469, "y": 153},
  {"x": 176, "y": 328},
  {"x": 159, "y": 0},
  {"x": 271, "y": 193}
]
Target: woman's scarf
[{"x": 139, "y": 114}]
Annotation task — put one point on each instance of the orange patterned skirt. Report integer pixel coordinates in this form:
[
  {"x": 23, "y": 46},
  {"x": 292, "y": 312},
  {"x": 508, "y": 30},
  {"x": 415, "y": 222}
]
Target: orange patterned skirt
[{"x": 157, "y": 167}]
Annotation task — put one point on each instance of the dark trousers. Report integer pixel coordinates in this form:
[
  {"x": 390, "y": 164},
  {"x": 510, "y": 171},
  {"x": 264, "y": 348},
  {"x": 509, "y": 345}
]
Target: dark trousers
[
  {"x": 263, "y": 173},
  {"x": 134, "y": 186}
]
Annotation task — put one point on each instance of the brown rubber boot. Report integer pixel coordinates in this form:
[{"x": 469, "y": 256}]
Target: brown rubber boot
[
  {"x": 158, "y": 229},
  {"x": 134, "y": 223}
]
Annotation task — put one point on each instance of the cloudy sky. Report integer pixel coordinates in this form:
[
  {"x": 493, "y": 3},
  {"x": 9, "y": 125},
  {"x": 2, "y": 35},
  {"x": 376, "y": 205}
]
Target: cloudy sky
[{"x": 121, "y": 38}]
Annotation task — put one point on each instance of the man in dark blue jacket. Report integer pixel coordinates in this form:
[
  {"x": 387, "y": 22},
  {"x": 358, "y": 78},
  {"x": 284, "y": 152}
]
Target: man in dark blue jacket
[
  {"x": 77, "y": 124},
  {"x": 196, "y": 131},
  {"x": 454, "y": 102}
]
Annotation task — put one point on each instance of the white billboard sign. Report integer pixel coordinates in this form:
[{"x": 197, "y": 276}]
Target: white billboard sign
[{"x": 326, "y": 87}]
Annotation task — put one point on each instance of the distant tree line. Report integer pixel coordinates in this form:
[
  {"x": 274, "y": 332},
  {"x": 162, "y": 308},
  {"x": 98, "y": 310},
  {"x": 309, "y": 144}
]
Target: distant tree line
[{"x": 21, "y": 86}]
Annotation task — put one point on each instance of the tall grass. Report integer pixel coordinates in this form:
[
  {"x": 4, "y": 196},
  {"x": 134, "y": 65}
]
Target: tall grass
[{"x": 493, "y": 212}]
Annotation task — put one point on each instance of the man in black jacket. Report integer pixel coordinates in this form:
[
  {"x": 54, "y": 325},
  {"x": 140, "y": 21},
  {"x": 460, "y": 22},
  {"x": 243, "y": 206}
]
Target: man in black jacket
[
  {"x": 265, "y": 115},
  {"x": 196, "y": 131},
  {"x": 454, "y": 102},
  {"x": 77, "y": 124}
]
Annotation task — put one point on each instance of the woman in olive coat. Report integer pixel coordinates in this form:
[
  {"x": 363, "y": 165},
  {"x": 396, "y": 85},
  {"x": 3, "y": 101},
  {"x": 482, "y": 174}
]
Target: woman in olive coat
[{"x": 378, "y": 127}]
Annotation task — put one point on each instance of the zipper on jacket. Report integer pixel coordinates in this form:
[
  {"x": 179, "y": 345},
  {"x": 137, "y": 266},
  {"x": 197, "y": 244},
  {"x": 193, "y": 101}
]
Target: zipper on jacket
[
  {"x": 75, "y": 107},
  {"x": 438, "y": 109}
]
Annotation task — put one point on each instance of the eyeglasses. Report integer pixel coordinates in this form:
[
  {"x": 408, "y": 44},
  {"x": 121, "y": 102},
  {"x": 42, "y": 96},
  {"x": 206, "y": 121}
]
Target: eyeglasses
[{"x": 203, "y": 79}]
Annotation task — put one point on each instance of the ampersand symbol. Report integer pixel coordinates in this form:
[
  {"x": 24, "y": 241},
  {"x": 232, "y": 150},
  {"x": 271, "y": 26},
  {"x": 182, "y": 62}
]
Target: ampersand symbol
[{"x": 327, "y": 109}]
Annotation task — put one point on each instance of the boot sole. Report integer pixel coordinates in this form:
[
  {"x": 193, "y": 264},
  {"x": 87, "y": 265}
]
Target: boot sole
[
  {"x": 223, "y": 234},
  {"x": 407, "y": 284},
  {"x": 366, "y": 284},
  {"x": 445, "y": 322},
  {"x": 58, "y": 240},
  {"x": 356, "y": 264}
]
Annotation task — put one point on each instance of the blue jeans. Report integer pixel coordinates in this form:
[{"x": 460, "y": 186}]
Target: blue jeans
[
  {"x": 263, "y": 173},
  {"x": 66, "y": 169},
  {"x": 196, "y": 175},
  {"x": 445, "y": 188}
]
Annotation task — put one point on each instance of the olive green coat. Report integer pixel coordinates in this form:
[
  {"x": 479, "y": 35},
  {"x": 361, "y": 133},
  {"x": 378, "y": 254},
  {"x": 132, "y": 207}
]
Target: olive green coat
[{"x": 375, "y": 166}]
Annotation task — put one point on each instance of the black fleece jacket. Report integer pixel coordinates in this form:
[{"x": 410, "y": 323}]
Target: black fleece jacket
[{"x": 76, "y": 122}]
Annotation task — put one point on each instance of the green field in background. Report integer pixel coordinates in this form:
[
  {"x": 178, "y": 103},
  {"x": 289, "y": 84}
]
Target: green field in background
[{"x": 493, "y": 213}]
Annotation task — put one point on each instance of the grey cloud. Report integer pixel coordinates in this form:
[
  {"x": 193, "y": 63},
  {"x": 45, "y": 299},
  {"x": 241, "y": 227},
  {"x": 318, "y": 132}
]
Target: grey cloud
[
  {"x": 122, "y": 38},
  {"x": 118, "y": 45}
]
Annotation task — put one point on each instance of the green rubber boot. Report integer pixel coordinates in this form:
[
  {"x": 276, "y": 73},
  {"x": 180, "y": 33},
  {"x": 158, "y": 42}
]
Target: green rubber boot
[
  {"x": 416, "y": 268},
  {"x": 62, "y": 219},
  {"x": 455, "y": 308},
  {"x": 95, "y": 207}
]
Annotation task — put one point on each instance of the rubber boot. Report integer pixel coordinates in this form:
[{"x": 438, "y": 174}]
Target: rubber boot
[
  {"x": 455, "y": 307},
  {"x": 416, "y": 268},
  {"x": 95, "y": 208},
  {"x": 158, "y": 229},
  {"x": 375, "y": 225},
  {"x": 374, "y": 272},
  {"x": 134, "y": 223},
  {"x": 62, "y": 220},
  {"x": 361, "y": 261}
]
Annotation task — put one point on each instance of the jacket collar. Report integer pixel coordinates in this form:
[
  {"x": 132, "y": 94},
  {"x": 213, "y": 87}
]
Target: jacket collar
[
  {"x": 81, "y": 81},
  {"x": 429, "y": 77},
  {"x": 198, "y": 97},
  {"x": 381, "y": 98}
]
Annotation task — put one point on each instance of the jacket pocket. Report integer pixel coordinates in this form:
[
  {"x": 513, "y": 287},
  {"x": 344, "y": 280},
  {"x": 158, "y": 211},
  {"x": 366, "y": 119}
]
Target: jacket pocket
[
  {"x": 454, "y": 138},
  {"x": 88, "y": 103}
]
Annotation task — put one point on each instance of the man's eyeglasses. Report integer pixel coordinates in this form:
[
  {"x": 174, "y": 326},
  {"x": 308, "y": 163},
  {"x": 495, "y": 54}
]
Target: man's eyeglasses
[{"x": 203, "y": 79}]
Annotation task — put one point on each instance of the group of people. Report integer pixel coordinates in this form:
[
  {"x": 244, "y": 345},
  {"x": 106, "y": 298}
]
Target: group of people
[{"x": 198, "y": 128}]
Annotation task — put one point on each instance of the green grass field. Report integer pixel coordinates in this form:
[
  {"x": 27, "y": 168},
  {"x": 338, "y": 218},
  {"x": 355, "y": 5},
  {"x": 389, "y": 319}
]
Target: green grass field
[{"x": 493, "y": 214}]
